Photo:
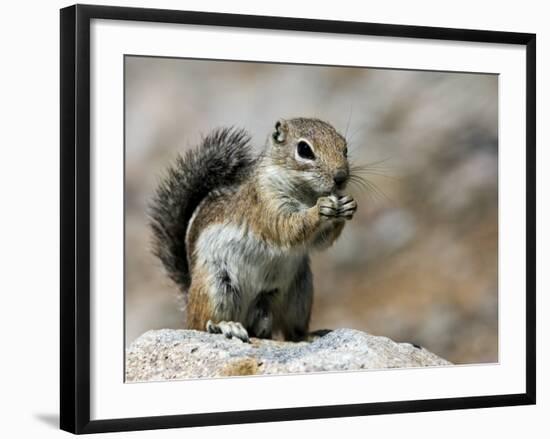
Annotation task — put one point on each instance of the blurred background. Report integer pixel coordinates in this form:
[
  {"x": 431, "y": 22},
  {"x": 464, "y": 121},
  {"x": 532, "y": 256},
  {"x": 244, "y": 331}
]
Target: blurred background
[{"x": 418, "y": 263}]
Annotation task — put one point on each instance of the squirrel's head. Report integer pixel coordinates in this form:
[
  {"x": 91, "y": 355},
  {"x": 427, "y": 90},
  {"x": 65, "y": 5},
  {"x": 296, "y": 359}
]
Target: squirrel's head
[{"x": 312, "y": 155}]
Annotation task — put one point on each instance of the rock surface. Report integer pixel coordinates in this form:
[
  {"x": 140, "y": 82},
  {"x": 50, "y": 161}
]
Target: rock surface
[{"x": 178, "y": 354}]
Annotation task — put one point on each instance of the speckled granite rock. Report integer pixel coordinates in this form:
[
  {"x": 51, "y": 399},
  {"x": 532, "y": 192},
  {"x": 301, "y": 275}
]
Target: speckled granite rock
[{"x": 178, "y": 354}]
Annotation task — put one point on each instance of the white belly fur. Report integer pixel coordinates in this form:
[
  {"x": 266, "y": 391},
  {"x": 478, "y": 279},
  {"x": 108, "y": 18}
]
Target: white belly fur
[{"x": 253, "y": 265}]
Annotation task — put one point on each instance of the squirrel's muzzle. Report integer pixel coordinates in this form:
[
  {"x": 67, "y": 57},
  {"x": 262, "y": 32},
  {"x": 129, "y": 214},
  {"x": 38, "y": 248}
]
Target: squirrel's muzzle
[{"x": 340, "y": 178}]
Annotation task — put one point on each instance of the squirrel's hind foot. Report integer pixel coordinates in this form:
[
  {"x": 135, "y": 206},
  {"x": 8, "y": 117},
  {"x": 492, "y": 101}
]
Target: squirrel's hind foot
[{"x": 229, "y": 329}]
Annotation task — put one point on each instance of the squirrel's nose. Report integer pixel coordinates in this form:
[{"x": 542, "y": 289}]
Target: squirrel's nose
[{"x": 340, "y": 177}]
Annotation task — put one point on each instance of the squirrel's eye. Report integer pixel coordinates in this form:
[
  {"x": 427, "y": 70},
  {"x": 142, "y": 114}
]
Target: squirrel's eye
[
  {"x": 304, "y": 151},
  {"x": 346, "y": 151}
]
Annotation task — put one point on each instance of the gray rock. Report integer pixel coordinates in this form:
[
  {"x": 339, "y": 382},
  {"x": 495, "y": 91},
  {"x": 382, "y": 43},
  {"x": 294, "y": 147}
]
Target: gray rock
[{"x": 178, "y": 354}]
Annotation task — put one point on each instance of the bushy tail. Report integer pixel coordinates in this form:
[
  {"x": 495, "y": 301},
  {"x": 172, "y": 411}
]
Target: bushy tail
[{"x": 223, "y": 158}]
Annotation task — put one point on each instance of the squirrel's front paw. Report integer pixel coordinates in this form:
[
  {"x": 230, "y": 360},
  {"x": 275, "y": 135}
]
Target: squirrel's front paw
[
  {"x": 346, "y": 207},
  {"x": 334, "y": 207},
  {"x": 328, "y": 207},
  {"x": 229, "y": 329}
]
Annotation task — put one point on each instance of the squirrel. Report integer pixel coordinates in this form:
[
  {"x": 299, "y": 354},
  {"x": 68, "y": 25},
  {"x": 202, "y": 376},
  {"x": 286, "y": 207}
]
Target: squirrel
[{"x": 234, "y": 229}]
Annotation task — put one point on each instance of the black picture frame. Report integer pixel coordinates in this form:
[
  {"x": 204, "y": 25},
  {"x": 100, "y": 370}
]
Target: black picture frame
[{"x": 75, "y": 217}]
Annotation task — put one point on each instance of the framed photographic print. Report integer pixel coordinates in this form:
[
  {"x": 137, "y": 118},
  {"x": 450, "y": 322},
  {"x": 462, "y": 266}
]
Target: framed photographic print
[{"x": 276, "y": 218}]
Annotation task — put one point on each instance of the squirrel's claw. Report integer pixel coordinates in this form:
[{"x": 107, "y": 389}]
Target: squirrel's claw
[
  {"x": 229, "y": 329},
  {"x": 328, "y": 207},
  {"x": 347, "y": 207}
]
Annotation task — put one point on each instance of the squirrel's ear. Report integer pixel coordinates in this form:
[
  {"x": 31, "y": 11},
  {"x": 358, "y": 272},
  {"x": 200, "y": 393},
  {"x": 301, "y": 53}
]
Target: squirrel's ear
[{"x": 281, "y": 131}]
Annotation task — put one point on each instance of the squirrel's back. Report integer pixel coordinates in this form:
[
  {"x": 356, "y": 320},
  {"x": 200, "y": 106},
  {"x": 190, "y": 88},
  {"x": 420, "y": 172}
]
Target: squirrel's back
[{"x": 224, "y": 158}]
